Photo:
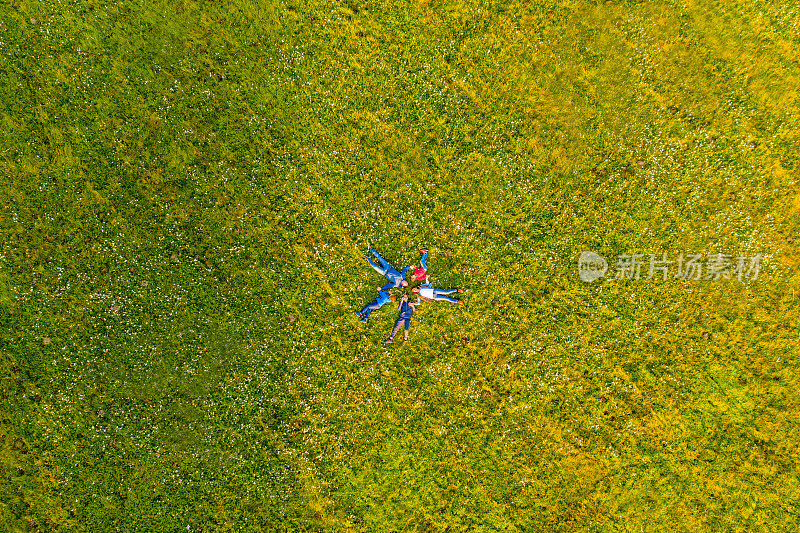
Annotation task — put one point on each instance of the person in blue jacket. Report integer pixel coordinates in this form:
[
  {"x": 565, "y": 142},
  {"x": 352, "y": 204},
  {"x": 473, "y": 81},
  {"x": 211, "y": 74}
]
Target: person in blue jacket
[
  {"x": 396, "y": 278},
  {"x": 404, "y": 318},
  {"x": 383, "y": 298}
]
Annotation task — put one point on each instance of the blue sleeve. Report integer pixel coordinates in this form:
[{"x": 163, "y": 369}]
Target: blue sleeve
[{"x": 387, "y": 286}]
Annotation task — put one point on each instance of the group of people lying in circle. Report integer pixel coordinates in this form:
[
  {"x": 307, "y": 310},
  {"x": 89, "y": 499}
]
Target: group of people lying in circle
[{"x": 424, "y": 291}]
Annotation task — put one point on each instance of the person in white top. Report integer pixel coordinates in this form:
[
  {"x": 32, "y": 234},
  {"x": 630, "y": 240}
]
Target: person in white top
[{"x": 427, "y": 291}]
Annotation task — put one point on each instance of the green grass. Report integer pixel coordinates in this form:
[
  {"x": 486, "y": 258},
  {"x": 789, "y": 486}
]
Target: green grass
[{"x": 187, "y": 191}]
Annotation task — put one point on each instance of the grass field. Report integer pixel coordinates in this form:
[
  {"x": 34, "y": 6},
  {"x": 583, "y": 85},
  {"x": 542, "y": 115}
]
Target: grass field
[{"x": 187, "y": 193}]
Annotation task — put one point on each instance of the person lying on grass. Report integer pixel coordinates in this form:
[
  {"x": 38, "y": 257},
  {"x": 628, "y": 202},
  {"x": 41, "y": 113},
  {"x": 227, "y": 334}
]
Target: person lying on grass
[
  {"x": 427, "y": 291},
  {"x": 405, "y": 308},
  {"x": 396, "y": 279},
  {"x": 421, "y": 272},
  {"x": 383, "y": 298}
]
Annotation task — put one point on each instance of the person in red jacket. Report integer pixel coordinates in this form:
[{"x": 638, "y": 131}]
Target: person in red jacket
[{"x": 421, "y": 272}]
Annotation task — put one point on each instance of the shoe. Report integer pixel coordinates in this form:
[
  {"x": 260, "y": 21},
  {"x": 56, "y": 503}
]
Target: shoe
[
  {"x": 423, "y": 250},
  {"x": 388, "y": 341},
  {"x": 460, "y": 302},
  {"x": 405, "y": 341},
  {"x": 363, "y": 320},
  {"x": 460, "y": 290}
]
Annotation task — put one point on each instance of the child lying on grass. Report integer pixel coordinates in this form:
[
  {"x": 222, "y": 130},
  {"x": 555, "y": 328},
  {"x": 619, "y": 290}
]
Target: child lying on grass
[
  {"x": 383, "y": 298},
  {"x": 427, "y": 291},
  {"x": 406, "y": 309},
  {"x": 421, "y": 272}
]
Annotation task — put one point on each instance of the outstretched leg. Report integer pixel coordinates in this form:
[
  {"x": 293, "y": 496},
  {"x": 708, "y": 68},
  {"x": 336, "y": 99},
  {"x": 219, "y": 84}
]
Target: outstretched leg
[
  {"x": 367, "y": 309},
  {"x": 444, "y": 291},
  {"x": 423, "y": 262},
  {"x": 386, "y": 264},
  {"x": 440, "y": 298},
  {"x": 380, "y": 270},
  {"x": 396, "y": 328}
]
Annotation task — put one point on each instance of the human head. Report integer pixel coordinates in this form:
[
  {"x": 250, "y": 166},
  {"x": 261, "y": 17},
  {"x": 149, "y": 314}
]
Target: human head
[
  {"x": 415, "y": 290},
  {"x": 404, "y": 283},
  {"x": 392, "y": 297},
  {"x": 404, "y": 298}
]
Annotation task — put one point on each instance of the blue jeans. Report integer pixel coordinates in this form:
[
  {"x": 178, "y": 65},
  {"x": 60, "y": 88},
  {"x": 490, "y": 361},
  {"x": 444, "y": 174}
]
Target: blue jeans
[
  {"x": 423, "y": 261},
  {"x": 384, "y": 263},
  {"x": 381, "y": 270},
  {"x": 387, "y": 270},
  {"x": 367, "y": 309},
  {"x": 399, "y": 323},
  {"x": 439, "y": 294}
]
